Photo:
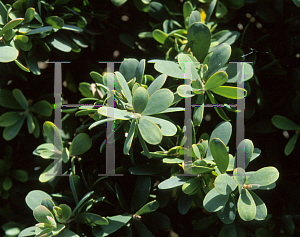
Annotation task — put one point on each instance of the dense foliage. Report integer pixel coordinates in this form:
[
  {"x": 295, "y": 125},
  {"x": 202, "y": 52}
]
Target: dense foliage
[{"x": 148, "y": 133}]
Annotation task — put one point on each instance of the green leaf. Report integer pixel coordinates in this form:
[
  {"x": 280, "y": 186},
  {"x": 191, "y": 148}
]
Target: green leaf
[
  {"x": 66, "y": 211},
  {"x": 90, "y": 219},
  {"x": 10, "y": 25},
  {"x": 159, "y": 36},
  {"x": 118, "y": 2},
  {"x": 219, "y": 110},
  {"x": 40, "y": 30},
  {"x": 32, "y": 61},
  {"x": 228, "y": 212},
  {"x": 226, "y": 36},
  {"x": 169, "y": 68},
  {"x": 233, "y": 74},
  {"x": 194, "y": 17},
  {"x": 67, "y": 233},
  {"x": 20, "y": 175},
  {"x": 85, "y": 197},
  {"x": 7, "y": 100},
  {"x": 12, "y": 131},
  {"x": 35, "y": 197},
  {"x": 128, "y": 69},
  {"x": 173, "y": 182},
  {"x": 264, "y": 176},
  {"x": 141, "y": 192},
  {"x": 210, "y": 10},
  {"x": 261, "y": 209},
  {"x": 115, "y": 223},
  {"x": 10, "y": 118},
  {"x": 115, "y": 113},
  {"x": 8, "y": 54},
  {"x": 225, "y": 184},
  {"x": 246, "y": 147},
  {"x": 42, "y": 107},
  {"x": 49, "y": 173},
  {"x": 3, "y": 14},
  {"x": 139, "y": 72},
  {"x": 284, "y": 123},
  {"x": 30, "y": 231},
  {"x": 40, "y": 213},
  {"x": 216, "y": 80},
  {"x": 191, "y": 185},
  {"x": 214, "y": 201},
  {"x": 297, "y": 2},
  {"x": 7, "y": 183},
  {"x": 124, "y": 87},
  {"x": 55, "y": 22},
  {"x": 230, "y": 92},
  {"x": 291, "y": 144},
  {"x": 80, "y": 144},
  {"x": 53, "y": 134},
  {"x": 158, "y": 102},
  {"x": 97, "y": 77},
  {"x": 239, "y": 176},
  {"x": 184, "y": 203},
  {"x": 141, "y": 229},
  {"x": 222, "y": 131},
  {"x": 74, "y": 181},
  {"x": 218, "y": 59},
  {"x": 157, "y": 84},
  {"x": 185, "y": 91},
  {"x": 221, "y": 10},
  {"x": 49, "y": 204},
  {"x": 198, "y": 111},
  {"x": 20, "y": 98},
  {"x": 150, "y": 132},
  {"x": 167, "y": 128},
  {"x": 129, "y": 138},
  {"x": 29, "y": 15},
  {"x": 187, "y": 9},
  {"x": 199, "y": 39},
  {"x": 140, "y": 99},
  {"x": 147, "y": 208},
  {"x": 58, "y": 229},
  {"x": 219, "y": 152},
  {"x": 187, "y": 61},
  {"x": 60, "y": 42},
  {"x": 30, "y": 123},
  {"x": 246, "y": 206}
]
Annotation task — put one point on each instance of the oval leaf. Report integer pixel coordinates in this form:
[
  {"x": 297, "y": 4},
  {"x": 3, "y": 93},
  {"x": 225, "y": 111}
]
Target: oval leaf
[
  {"x": 216, "y": 80},
  {"x": 141, "y": 192},
  {"x": 149, "y": 207},
  {"x": 214, "y": 201},
  {"x": 53, "y": 134},
  {"x": 220, "y": 154},
  {"x": 199, "y": 38},
  {"x": 12, "y": 131},
  {"x": 284, "y": 123},
  {"x": 8, "y": 54},
  {"x": 159, "y": 101},
  {"x": 140, "y": 99},
  {"x": 35, "y": 197},
  {"x": 246, "y": 206},
  {"x": 150, "y": 131},
  {"x": 230, "y": 92},
  {"x": 225, "y": 184},
  {"x": 167, "y": 128},
  {"x": 90, "y": 219},
  {"x": 20, "y": 98},
  {"x": 80, "y": 144},
  {"x": 264, "y": 176}
]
